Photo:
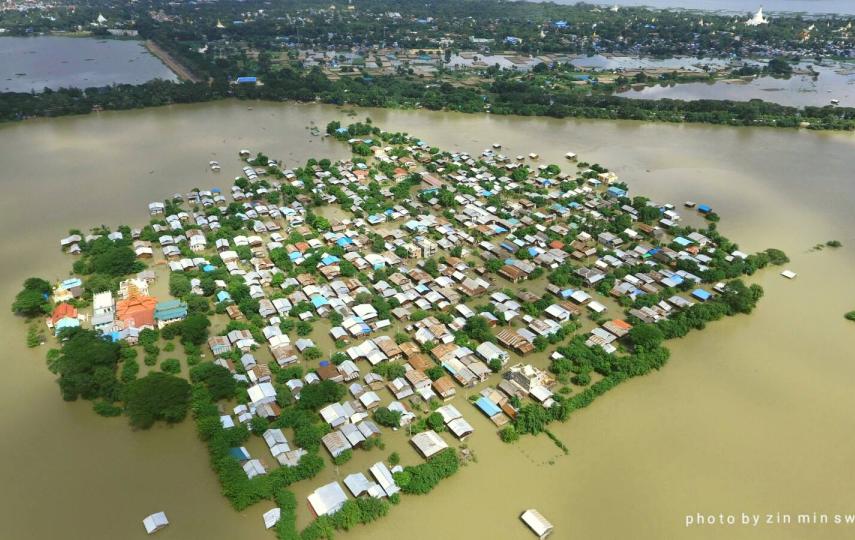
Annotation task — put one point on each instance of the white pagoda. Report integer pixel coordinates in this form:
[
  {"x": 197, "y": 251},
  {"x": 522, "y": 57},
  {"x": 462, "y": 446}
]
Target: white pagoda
[{"x": 757, "y": 19}]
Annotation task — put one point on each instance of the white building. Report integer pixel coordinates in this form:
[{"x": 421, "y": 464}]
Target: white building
[{"x": 327, "y": 500}]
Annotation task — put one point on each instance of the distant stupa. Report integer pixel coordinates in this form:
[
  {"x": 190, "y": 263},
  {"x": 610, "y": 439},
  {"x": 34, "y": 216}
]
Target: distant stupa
[
  {"x": 757, "y": 19},
  {"x": 101, "y": 19},
  {"x": 220, "y": 24}
]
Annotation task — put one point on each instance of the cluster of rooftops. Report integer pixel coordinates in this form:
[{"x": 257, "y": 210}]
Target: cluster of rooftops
[{"x": 506, "y": 224}]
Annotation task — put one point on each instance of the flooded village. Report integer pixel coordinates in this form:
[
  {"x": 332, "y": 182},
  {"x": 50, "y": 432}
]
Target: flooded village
[
  {"x": 398, "y": 293},
  {"x": 356, "y": 270}
]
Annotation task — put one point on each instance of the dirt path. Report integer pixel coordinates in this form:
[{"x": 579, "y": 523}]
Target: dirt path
[{"x": 183, "y": 73}]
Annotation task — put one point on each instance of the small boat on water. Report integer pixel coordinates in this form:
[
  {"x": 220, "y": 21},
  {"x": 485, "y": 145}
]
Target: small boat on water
[
  {"x": 155, "y": 522},
  {"x": 689, "y": 204}
]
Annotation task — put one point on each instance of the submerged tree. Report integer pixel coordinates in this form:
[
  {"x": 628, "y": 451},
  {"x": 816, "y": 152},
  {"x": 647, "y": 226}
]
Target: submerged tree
[
  {"x": 32, "y": 300},
  {"x": 157, "y": 396},
  {"x": 87, "y": 366}
]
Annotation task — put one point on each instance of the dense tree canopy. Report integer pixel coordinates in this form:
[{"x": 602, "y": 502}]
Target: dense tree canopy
[
  {"x": 194, "y": 329},
  {"x": 646, "y": 336},
  {"x": 112, "y": 258},
  {"x": 87, "y": 366},
  {"x": 421, "y": 479},
  {"x": 157, "y": 396},
  {"x": 386, "y": 417},
  {"x": 315, "y": 396},
  {"x": 219, "y": 380},
  {"x": 32, "y": 300}
]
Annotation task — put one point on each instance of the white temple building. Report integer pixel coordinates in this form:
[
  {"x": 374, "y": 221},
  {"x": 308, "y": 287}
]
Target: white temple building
[{"x": 757, "y": 19}]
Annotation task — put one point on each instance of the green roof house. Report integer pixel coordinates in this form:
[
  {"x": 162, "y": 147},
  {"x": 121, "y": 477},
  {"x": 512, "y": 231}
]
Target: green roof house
[{"x": 169, "y": 312}]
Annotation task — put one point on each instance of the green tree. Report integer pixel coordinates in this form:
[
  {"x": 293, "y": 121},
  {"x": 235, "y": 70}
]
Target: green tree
[
  {"x": 87, "y": 366},
  {"x": 532, "y": 418},
  {"x": 171, "y": 365},
  {"x": 435, "y": 422},
  {"x": 32, "y": 300},
  {"x": 389, "y": 370},
  {"x": 386, "y": 417},
  {"x": 315, "y": 396},
  {"x": 509, "y": 434},
  {"x": 179, "y": 284},
  {"x": 304, "y": 328},
  {"x": 194, "y": 329},
  {"x": 217, "y": 379},
  {"x": 646, "y": 336},
  {"x": 431, "y": 267},
  {"x": 157, "y": 396},
  {"x": 478, "y": 328},
  {"x": 114, "y": 259}
]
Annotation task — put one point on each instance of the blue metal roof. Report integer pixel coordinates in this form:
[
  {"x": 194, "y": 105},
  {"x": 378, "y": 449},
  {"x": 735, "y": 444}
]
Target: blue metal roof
[
  {"x": 239, "y": 454},
  {"x": 487, "y": 407},
  {"x": 66, "y": 322},
  {"x": 701, "y": 294},
  {"x": 170, "y": 309},
  {"x": 70, "y": 283}
]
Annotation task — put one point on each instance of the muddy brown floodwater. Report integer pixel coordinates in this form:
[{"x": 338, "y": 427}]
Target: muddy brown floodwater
[{"x": 754, "y": 414}]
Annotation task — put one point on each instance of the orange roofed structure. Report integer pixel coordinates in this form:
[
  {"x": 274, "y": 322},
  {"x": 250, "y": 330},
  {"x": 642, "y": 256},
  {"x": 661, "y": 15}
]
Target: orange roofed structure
[
  {"x": 63, "y": 311},
  {"x": 137, "y": 311}
]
